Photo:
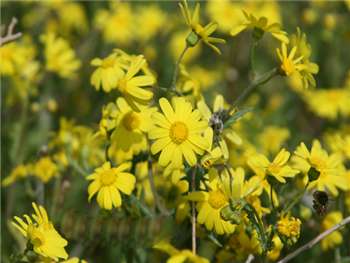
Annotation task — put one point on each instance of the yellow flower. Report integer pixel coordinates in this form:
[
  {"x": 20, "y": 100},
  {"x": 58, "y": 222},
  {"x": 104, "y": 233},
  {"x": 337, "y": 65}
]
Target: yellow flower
[
  {"x": 289, "y": 64},
  {"x": 18, "y": 172},
  {"x": 108, "y": 72},
  {"x": 131, "y": 85},
  {"x": 278, "y": 168},
  {"x": 289, "y": 227},
  {"x": 272, "y": 138},
  {"x": 179, "y": 256},
  {"x": 274, "y": 253},
  {"x": 60, "y": 57},
  {"x": 177, "y": 133},
  {"x": 40, "y": 232},
  {"x": 334, "y": 238},
  {"x": 261, "y": 24},
  {"x": 45, "y": 169},
  {"x": 328, "y": 167},
  {"x": 131, "y": 126},
  {"x": 108, "y": 182},
  {"x": 202, "y": 32}
]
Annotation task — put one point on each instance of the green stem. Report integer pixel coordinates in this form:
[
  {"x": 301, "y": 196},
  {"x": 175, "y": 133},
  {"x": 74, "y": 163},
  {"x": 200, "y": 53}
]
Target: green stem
[
  {"x": 193, "y": 212},
  {"x": 256, "y": 83},
  {"x": 177, "y": 65},
  {"x": 296, "y": 199},
  {"x": 271, "y": 197}
]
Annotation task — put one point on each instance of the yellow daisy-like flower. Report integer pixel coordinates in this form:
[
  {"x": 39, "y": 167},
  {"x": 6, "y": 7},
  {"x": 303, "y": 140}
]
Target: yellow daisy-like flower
[
  {"x": 334, "y": 238},
  {"x": 328, "y": 167},
  {"x": 108, "y": 72},
  {"x": 203, "y": 32},
  {"x": 40, "y": 232},
  {"x": 289, "y": 227},
  {"x": 131, "y": 126},
  {"x": 109, "y": 182},
  {"x": 45, "y": 169},
  {"x": 278, "y": 168},
  {"x": 60, "y": 57},
  {"x": 262, "y": 25},
  {"x": 178, "y": 133},
  {"x": 179, "y": 256},
  {"x": 131, "y": 85}
]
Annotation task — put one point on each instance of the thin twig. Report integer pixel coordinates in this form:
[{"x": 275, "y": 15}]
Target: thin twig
[
  {"x": 176, "y": 70},
  {"x": 250, "y": 258},
  {"x": 193, "y": 206},
  {"x": 10, "y": 35},
  {"x": 314, "y": 241}
]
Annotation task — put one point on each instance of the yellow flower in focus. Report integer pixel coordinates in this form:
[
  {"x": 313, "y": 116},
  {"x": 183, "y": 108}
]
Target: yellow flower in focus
[
  {"x": 107, "y": 74},
  {"x": 261, "y": 26},
  {"x": 131, "y": 86},
  {"x": 40, "y": 232},
  {"x": 108, "y": 182},
  {"x": 45, "y": 169},
  {"x": 278, "y": 168},
  {"x": 60, "y": 57},
  {"x": 179, "y": 256},
  {"x": 289, "y": 64},
  {"x": 202, "y": 32},
  {"x": 177, "y": 133},
  {"x": 335, "y": 238},
  {"x": 289, "y": 227},
  {"x": 131, "y": 126},
  {"x": 328, "y": 167}
]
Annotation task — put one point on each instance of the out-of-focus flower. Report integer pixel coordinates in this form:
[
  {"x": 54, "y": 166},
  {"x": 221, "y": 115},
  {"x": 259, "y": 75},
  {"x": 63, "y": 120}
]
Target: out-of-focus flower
[
  {"x": 289, "y": 227},
  {"x": 202, "y": 32},
  {"x": 177, "y": 133},
  {"x": 260, "y": 26},
  {"x": 335, "y": 238},
  {"x": 327, "y": 168},
  {"x": 108, "y": 72},
  {"x": 179, "y": 256},
  {"x": 108, "y": 182},
  {"x": 40, "y": 232},
  {"x": 18, "y": 172},
  {"x": 131, "y": 126},
  {"x": 60, "y": 57},
  {"x": 272, "y": 138},
  {"x": 45, "y": 169},
  {"x": 277, "y": 246}
]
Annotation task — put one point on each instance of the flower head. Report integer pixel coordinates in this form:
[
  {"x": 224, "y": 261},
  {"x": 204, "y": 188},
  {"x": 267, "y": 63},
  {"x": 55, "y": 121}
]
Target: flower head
[
  {"x": 335, "y": 238},
  {"x": 178, "y": 132},
  {"x": 200, "y": 32},
  {"x": 328, "y": 168},
  {"x": 40, "y": 232},
  {"x": 261, "y": 25},
  {"x": 60, "y": 57},
  {"x": 109, "y": 182},
  {"x": 289, "y": 227}
]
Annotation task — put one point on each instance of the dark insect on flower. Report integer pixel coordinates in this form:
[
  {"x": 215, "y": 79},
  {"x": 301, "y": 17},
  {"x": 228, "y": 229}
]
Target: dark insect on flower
[{"x": 320, "y": 202}]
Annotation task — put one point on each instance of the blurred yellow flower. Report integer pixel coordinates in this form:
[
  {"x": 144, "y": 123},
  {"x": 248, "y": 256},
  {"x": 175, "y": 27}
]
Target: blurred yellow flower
[
  {"x": 177, "y": 133},
  {"x": 45, "y": 169},
  {"x": 335, "y": 238},
  {"x": 260, "y": 26},
  {"x": 179, "y": 256},
  {"x": 40, "y": 232},
  {"x": 18, "y": 172},
  {"x": 60, "y": 57},
  {"x": 109, "y": 182},
  {"x": 108, "y": 72},
  {"x": 272, "y": 138},
  {"x": 275, "y": 252}
]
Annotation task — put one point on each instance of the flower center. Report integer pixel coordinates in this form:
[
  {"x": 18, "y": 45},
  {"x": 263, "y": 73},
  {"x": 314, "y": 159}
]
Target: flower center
[
  {"x": 131, "y": 121},
  {"x": 122, "y": 84},
  {"x": 36, "y": 237},
  {"x": 288, "y": 66},
  {"x": 107, "y": 177},
  {"x": 274, "y": 168},
  {"x": 217, "y": 199},
  {"x": 178, "y": 132},
  {"x": 108, "y": 63}
]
